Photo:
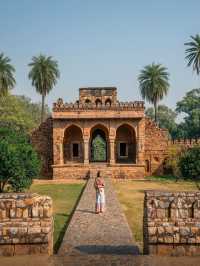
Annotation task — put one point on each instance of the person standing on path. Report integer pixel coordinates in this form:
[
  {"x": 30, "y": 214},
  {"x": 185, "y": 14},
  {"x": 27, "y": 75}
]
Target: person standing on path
[{"x": 99, "y": 185}]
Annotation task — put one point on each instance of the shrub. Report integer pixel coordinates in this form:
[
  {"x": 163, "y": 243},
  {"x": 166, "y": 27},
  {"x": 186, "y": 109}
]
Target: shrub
[
  {"x": 171, "y": 165},
  {"x": 190, "y": 163},
  {"x": 19, "y": 162}
]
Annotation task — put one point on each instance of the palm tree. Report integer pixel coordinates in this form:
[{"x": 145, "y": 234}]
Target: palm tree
[
  {"x": 7, "y": 80},
  {"x": 154, "y": 84},
  {"x": 44, "y": 74},
  {"x": 193, "y": 53}
]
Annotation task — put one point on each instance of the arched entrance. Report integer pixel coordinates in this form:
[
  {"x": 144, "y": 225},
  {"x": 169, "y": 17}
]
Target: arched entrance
[
  {"x": 73, "y": 145},
  {"x": 98, "y": 145},
  {"x": 125, "y": 144}
]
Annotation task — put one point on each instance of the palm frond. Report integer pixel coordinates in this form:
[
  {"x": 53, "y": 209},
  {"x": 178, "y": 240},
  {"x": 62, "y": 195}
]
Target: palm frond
[{"x": 193, "y": 53}]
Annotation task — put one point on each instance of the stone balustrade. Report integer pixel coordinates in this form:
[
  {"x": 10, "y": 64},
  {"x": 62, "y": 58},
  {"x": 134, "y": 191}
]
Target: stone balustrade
[
  {"x": 172, "y": 223},
  {"x": 26, "y": 224},
  {"x": 60, "y": 106}
]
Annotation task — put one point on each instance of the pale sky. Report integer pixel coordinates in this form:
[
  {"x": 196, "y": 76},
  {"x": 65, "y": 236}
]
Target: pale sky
[{"x": 100, "y": 43}]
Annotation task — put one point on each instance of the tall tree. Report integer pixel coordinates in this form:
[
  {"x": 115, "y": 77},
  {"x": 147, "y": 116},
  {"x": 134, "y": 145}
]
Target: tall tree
[
  {"x": 154, "y": 84},
  {"x": 19, "y": 112},
  {"x": 7, "y": 80},
  {"x": 190, "y": 107},
  {"x": 166, "y": 118},
  {"x": 44, "y": 74},
  {"x": 193, "y": 53}
]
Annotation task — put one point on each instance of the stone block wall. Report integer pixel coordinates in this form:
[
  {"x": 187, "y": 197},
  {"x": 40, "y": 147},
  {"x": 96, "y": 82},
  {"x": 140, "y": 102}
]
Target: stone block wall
[
  {"x": 103, "y": 94},
  {"x": 156, "y": 146},
  {"x": 26, "y": 224},
  {"x": 172, "y": 223},
  {"x": 42, "y": 140},
  {"x": 82, "y": 172}
]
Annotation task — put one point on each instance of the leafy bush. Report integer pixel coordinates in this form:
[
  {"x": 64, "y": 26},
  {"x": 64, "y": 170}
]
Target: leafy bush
[
  {"x": 190, "y": 163},
  {"x": 171, "y": 165},
  {"x": 19, "y": 162}
]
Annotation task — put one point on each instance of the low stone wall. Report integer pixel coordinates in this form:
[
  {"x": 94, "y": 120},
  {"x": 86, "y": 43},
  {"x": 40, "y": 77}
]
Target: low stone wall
[
  {"x": 172, "y": 223},
  {"x": 80, "y": 171},
  {"x": 26, "y": 224}
]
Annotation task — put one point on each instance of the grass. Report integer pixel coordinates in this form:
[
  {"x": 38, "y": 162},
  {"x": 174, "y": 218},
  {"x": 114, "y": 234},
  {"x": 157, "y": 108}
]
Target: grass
[
  {"x": 131, "y": 197},
  {"x": 65, "y": 197}
]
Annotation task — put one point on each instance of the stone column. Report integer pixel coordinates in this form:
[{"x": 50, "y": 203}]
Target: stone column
[
  {"x": 86, "y": 151},
  {"x": 112, "y": 151},
  {"x": 61, "y": 153},
  {"x": 57, "y": 146},
  {"x": 140, "y": 142}
]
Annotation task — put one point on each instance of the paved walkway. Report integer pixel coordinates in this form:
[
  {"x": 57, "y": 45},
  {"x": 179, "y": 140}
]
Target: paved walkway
[{"x": 98, "y": 238}]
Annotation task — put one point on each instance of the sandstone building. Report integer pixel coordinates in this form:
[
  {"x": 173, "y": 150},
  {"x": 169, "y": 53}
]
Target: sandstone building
[{"x": 98, "y": 132}]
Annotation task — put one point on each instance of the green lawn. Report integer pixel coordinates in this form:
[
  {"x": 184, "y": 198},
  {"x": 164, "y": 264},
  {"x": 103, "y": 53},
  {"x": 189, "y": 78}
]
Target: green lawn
[
  {"x": 64, "y": 197},
  {"x": 131, "y": 196}
]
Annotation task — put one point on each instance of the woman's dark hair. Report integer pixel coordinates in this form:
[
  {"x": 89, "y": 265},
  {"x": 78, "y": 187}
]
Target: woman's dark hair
[{"x": 98, "y": 174}]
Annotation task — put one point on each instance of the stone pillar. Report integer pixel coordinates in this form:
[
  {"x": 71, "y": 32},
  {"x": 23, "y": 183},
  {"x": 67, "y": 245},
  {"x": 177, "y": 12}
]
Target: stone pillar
[
  {"x": 140, "y": 142},
  {"x": 112, "y": 151},
  {"x": 57, "y": 147},
  {"x": 61, "y": 154},
  {"x": 86, "y": 151}
]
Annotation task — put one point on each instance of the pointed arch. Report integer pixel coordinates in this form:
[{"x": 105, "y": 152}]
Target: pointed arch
[
  {"x": 99, "y": 147},
  {"x": 125, "y": 144},
  {"x": 108, "y": 102},
  {"x": 98, "y": 102},
  {"x": 73, "y": 144}
]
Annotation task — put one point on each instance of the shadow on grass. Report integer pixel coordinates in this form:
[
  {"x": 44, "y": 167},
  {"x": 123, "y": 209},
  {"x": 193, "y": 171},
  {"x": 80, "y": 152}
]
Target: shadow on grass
[
  {"x": 64, "y": 228},
  {"x": 163, "y": 178}
]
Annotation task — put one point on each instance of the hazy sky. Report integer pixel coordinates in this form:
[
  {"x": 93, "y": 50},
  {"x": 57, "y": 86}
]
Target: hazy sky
[{"x": 100, "y": 42}]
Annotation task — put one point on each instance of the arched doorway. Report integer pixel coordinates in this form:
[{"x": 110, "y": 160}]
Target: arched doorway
[
  {"x": 125, "y": 144},
  {"x": 73, "y": 145},
  {"x": 98, "y": 145}
]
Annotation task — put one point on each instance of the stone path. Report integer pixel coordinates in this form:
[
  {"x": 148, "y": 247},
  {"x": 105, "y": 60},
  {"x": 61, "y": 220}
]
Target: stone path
[{"x": 98, "y": 239}]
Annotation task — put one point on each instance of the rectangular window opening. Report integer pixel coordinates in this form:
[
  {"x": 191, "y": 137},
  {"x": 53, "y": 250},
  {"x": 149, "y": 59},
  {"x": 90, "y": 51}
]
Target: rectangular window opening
[
  {"x": 75, "y": 150},
  {"x": 123, "y": 151}
]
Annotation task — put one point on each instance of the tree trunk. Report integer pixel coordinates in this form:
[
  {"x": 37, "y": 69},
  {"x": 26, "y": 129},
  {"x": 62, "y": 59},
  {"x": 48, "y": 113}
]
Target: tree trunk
[
  {"x": 155, "y": 111},
  {"x": 42, "y": 109}
]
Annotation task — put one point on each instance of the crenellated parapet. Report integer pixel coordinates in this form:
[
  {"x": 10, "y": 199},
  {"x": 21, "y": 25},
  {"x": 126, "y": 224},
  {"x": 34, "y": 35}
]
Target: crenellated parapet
[
  {"x": 60, "y": 106},
  {"x": 184, "y": 142}
]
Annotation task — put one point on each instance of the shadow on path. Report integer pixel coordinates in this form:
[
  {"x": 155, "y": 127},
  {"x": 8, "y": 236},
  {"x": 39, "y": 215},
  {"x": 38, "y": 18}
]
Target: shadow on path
[{"x": 109, "y": 250}]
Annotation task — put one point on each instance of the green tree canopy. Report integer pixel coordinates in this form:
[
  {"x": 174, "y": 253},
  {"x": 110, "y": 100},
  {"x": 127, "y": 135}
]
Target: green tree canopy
[
  {"x": 19, "y": 162},
  {"x": 44, "y": 74},
  {"x": 154, "y": 84},
  {"x": 20, "y": 112},
  {"x": 7, "y": 80},
  {"x": 190, "y": 107},
  {"x": 166, "y": 118}
]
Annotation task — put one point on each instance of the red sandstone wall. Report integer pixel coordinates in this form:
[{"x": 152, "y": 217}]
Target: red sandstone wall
[
  {"x": 156, "y": 150},
  {"x": 42, "y": 140},
  {"x": 156, "y": 145}
]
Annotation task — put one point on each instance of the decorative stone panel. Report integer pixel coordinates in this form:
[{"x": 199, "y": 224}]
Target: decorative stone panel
[
  {"x": 172, "y": 223},
  {"x": 26, "y": 224}
]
